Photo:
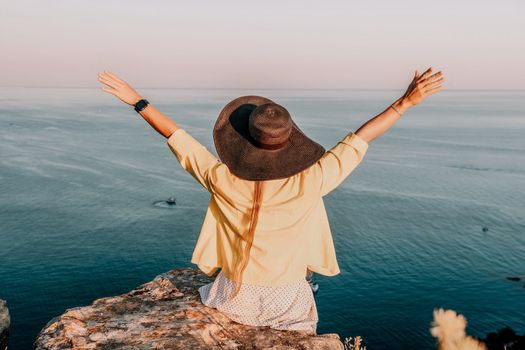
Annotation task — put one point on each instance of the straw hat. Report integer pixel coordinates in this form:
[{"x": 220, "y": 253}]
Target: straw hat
[{"x": 258, "y": 140}]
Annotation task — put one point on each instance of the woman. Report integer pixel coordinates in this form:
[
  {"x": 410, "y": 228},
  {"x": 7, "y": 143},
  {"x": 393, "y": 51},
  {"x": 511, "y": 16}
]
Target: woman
[{"x": 266, "y": 226}]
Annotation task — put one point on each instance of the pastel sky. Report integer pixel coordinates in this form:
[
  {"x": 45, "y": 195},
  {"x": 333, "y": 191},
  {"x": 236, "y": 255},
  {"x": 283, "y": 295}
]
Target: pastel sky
[{"x": 265, "y": 44}]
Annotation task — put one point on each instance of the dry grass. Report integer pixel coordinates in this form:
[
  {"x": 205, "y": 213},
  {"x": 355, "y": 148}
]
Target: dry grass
[
  {"x": 353, "y": 345},
  {"x": 448, "y": 328}
]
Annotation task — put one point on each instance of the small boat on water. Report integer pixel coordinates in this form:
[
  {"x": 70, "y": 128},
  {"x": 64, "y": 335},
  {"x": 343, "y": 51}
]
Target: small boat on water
[{"x": 171, "y": 200}]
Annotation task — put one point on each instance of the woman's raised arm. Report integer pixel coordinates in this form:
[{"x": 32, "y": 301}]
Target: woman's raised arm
[
  {"x": 420, "y": 88},
  {"x": 121, "y": 89}
]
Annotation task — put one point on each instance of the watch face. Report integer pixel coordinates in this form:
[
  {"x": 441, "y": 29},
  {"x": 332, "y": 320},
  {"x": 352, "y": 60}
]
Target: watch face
[{"x": 141, "y": 105}]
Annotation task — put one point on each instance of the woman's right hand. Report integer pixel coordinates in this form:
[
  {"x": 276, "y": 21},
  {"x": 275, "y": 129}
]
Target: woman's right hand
[{"x": 423, "y": 86}]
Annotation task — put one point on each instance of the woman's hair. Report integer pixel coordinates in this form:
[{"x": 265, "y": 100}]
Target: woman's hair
[{"x": 243, "y": 255}]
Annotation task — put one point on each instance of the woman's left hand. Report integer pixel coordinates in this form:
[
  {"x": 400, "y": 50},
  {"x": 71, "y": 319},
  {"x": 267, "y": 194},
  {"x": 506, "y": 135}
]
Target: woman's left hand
[{"x": 119, "y": 88}]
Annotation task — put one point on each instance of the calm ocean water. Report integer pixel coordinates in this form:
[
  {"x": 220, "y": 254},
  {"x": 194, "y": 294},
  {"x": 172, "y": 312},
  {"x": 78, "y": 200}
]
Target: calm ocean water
[{"x": 80, "y": 171}]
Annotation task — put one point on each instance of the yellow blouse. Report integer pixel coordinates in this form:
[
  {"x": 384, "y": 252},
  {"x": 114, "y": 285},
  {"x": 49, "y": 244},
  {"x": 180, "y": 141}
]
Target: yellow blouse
[{"x": 292, "y": 232}]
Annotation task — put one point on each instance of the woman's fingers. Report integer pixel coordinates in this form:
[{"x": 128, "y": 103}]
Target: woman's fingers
[
  {"x": 434, "y": 83},
  {"x": 115, "y": 77},
  {"x": 109, "y": 82},
  {"x": 432, "y": 77},
  {"x": 433, "y": 90},
  {"x": 108, "y": 90},
  {"x": 110, "y": 78},
  {"x": 425, "y": 74}
]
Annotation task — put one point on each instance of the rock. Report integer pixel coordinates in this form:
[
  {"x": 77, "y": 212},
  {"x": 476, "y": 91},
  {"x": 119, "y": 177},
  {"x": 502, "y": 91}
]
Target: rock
[
  {"x": 166, "y": 313},
  {"x": 5, "y": 323}
]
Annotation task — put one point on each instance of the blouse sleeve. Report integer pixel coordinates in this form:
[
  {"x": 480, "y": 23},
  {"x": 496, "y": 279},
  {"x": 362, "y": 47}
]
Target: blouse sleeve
[
  {"x": 338, "y": 162},
  {"x": 194, "y": 157}
]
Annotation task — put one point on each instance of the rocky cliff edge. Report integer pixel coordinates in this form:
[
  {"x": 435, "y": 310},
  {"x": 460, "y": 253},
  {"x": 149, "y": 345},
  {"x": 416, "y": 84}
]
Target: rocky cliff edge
[{"x": 166, "y": 313}]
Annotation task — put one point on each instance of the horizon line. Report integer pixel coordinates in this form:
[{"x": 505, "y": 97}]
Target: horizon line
[{"x": 245, "y": 88}]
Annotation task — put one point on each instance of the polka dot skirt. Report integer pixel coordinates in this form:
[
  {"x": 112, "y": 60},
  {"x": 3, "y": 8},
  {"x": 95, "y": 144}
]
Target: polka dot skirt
[{"x": 289, "y": 307}]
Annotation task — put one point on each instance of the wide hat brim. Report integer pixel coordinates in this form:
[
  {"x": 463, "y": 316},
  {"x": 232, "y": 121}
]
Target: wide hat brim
[{"x": 246, "y": 160}]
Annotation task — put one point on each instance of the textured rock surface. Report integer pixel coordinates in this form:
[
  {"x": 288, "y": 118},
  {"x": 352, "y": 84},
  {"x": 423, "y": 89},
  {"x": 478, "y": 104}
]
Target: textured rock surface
[
  {"x": 166, "y": 313},
  {"x": 4, "y": 324}
]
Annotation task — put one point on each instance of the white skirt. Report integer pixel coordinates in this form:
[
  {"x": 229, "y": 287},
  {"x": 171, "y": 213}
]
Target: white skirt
[{"x": 289, "y": 307}]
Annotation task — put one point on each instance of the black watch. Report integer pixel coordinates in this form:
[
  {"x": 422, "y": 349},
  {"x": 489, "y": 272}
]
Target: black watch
[{"x": 140, "y": 105}]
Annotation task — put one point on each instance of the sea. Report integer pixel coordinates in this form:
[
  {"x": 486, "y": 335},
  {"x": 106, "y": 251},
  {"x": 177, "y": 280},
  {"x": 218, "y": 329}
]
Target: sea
[{"x": 433, "y": 217}]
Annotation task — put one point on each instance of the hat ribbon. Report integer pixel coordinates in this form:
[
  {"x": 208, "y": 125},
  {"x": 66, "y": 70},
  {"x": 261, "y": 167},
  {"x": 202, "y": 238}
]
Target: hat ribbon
[{"x": 271, "y": 146}]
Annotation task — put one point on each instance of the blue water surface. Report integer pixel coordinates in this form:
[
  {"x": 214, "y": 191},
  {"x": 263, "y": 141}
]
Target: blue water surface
[{"x": 80, "y": 171}]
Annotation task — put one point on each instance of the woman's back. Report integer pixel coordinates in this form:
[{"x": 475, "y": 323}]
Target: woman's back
[{"x": 292, "y": 232}]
